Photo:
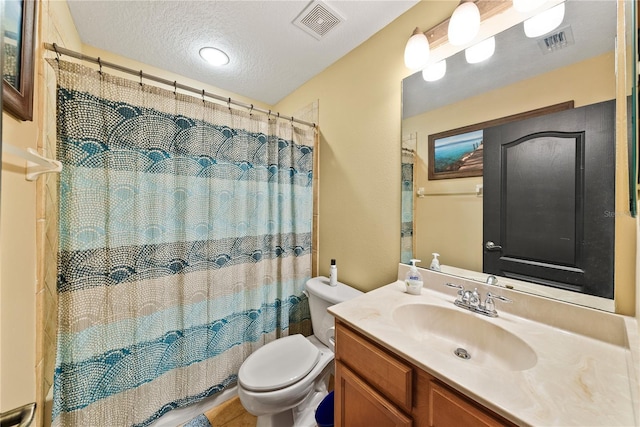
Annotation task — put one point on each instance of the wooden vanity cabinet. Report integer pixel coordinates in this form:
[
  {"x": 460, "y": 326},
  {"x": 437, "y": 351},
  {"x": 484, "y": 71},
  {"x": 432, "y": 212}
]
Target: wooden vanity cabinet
[
  {"x": 374, "y": 387},
  {"x": 450, "y": 408},
  {"x": 358, "y": 404}
]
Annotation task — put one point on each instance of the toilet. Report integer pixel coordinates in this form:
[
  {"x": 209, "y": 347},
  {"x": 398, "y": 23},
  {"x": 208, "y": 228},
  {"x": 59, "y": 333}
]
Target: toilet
[{"x": 284, "y": 381}]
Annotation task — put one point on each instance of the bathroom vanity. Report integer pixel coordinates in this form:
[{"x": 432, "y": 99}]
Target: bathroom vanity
[
  {"x": 376, "y": 387},
  {"x": 539, "y": 363}
]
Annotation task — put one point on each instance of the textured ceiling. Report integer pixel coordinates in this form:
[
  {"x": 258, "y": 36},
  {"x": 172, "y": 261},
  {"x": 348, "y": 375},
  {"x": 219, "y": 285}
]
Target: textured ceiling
[{"x": 270, "y": 56}]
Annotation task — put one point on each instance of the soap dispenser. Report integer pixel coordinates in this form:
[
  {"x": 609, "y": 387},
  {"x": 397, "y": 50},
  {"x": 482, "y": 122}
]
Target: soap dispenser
[
  {"x": 435, "y": 263},
  {"x": 413, "y": 279}
]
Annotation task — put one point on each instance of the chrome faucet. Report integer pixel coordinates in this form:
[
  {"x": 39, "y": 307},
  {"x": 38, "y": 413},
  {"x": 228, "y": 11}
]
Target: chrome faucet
[
  {"x": 492, "y": 280},
  {"x": 472, "y": 301}
]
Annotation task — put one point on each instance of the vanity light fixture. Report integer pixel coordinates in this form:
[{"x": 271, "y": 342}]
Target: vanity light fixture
[
  {"x": 480, "y": 51},
  {"x": 416, "y": 52},
  {"x": 214, "y": 56},
  {"x": 524, "y": 6},
  {"x": 544, "y": 22},
  {"x": 435, "y": 71},
  {"x": 464, "y": 24}
]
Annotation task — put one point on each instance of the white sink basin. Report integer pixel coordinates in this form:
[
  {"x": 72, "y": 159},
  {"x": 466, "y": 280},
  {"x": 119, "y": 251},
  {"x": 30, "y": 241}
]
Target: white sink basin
[{"x": 449, "y": 329}]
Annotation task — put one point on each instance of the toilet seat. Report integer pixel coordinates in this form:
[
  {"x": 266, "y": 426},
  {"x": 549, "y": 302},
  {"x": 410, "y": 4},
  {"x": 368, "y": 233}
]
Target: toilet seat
[{"x": 278, "y": 364}]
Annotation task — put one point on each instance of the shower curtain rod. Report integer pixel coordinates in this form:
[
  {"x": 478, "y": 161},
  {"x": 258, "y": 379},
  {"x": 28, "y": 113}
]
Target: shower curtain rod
[{"x": 62, "y": 51}]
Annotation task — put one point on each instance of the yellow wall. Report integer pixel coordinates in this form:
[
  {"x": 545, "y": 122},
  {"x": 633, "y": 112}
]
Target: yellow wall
[
  {"x": 360, "y": 151},
  {"x": 18, "y": 274},
  {"x": 21, "y": 294},
  {"x": 625, "y": 245}
]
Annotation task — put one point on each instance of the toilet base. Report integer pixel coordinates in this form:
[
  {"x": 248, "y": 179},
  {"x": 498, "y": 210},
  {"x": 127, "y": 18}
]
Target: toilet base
[
  {"x": 300, "y": 416},
  {"x": 280, "y": 419},
  {"x": 307, "y": 417}
]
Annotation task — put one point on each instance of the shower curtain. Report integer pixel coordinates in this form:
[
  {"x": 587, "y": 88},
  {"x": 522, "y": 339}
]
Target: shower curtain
[{"x": 185, "y": 242}]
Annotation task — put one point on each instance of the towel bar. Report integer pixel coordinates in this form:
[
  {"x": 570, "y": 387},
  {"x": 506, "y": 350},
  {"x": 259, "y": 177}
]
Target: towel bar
[
  {"x": 21, "y": 417},
  {"x": 36, "y": 164}
]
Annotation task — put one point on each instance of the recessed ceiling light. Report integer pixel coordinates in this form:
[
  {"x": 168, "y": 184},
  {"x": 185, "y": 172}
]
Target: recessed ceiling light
[{"x": 214, "y": 56}]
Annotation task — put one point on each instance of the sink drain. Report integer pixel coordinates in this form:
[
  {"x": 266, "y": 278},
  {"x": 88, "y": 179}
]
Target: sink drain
[{"x": 462, "y": 353}]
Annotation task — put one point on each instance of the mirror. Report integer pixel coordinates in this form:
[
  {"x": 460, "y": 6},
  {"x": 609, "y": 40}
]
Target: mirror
[{"x": 446, "y": 215}]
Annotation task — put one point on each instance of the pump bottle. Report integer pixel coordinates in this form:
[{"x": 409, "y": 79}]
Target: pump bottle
[
  {"x": 333, "y": 274},
  {"x": 435, "y": 262},
  {"x": 413, "y": 279}
]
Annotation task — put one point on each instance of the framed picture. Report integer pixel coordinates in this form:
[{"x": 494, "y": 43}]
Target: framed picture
[
  {"x": 458, "y": 153},
  {"x": 17, "y": 74}
]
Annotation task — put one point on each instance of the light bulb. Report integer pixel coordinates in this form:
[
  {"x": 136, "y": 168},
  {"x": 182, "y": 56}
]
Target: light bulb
[
  {"x": 480, "y": 51},
  {"x": 464, "y": 24},
  {"x": 544, "y": 22},
  {"x": 416, "y": 52},
  {"x": 214, "y": 56},
  {"x": 435, "y": 71}
]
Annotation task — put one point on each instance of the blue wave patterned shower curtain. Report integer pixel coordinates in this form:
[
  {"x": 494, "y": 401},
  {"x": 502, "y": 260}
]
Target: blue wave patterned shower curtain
[{"x": 185, "y": 242}]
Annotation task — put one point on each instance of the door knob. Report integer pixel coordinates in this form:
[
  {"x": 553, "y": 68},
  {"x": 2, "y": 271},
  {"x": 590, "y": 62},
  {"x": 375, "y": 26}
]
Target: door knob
[{"x": 490, "y": 246}]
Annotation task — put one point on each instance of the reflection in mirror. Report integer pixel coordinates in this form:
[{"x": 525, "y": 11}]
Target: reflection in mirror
[
  {"x": 12, "y": 43},
  {"x": 522, "y": 75}
]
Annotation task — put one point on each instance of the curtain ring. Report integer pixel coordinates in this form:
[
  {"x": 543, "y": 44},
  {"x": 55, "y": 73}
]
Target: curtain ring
[
  {"x": 55, "y": 48},
  {"x": 100, "y": 64},
  {"x": 291, "y": 121},
  {"x": 175, "y": 88},
  {"x": 251, "y": 110},
  {"x": 203, "y": 96},
  {"x": 229, "y": 104},
  {"x": 140, "y": 77},
  {"x": 269, "y": 115}
]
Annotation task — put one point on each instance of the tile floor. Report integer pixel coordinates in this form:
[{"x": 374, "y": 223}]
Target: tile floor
[{"x": 230, "y": 414}]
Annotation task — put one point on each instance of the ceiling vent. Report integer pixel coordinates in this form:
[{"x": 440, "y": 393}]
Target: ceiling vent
[
  {"x": 557, "y": 40},
  {"x": 318, "y": 19}
]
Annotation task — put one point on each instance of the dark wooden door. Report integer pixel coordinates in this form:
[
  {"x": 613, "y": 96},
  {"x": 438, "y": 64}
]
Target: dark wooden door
[{"x": 549, "y": 199}]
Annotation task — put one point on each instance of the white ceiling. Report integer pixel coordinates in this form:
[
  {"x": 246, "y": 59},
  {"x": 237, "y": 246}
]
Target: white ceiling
[{"x": 270, "y": 56}]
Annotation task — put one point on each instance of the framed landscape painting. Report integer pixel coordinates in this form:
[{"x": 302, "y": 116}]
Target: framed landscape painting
[{"x": 458, "y": 153}]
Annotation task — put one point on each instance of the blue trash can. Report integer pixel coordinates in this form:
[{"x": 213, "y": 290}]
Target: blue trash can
[{"x": 324, "y": 413}]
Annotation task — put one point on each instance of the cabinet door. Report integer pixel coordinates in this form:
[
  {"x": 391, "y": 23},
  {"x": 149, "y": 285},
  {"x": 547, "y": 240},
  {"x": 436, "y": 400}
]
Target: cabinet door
[
  {"x": 449, "y": 409},
  {"x": 358, "y": 405},
  {"x": 378, "y": 368}
]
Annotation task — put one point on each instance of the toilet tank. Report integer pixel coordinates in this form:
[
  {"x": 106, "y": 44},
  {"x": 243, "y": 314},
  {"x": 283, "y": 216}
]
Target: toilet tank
[{"x": 321, "y": 297}]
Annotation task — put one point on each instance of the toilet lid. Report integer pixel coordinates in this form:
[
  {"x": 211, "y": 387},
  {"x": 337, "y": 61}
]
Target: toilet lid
[{"x": 278, "y": 364}]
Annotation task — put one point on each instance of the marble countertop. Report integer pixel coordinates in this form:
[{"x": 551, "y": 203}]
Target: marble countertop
[{"x": 584, "y": 376}]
